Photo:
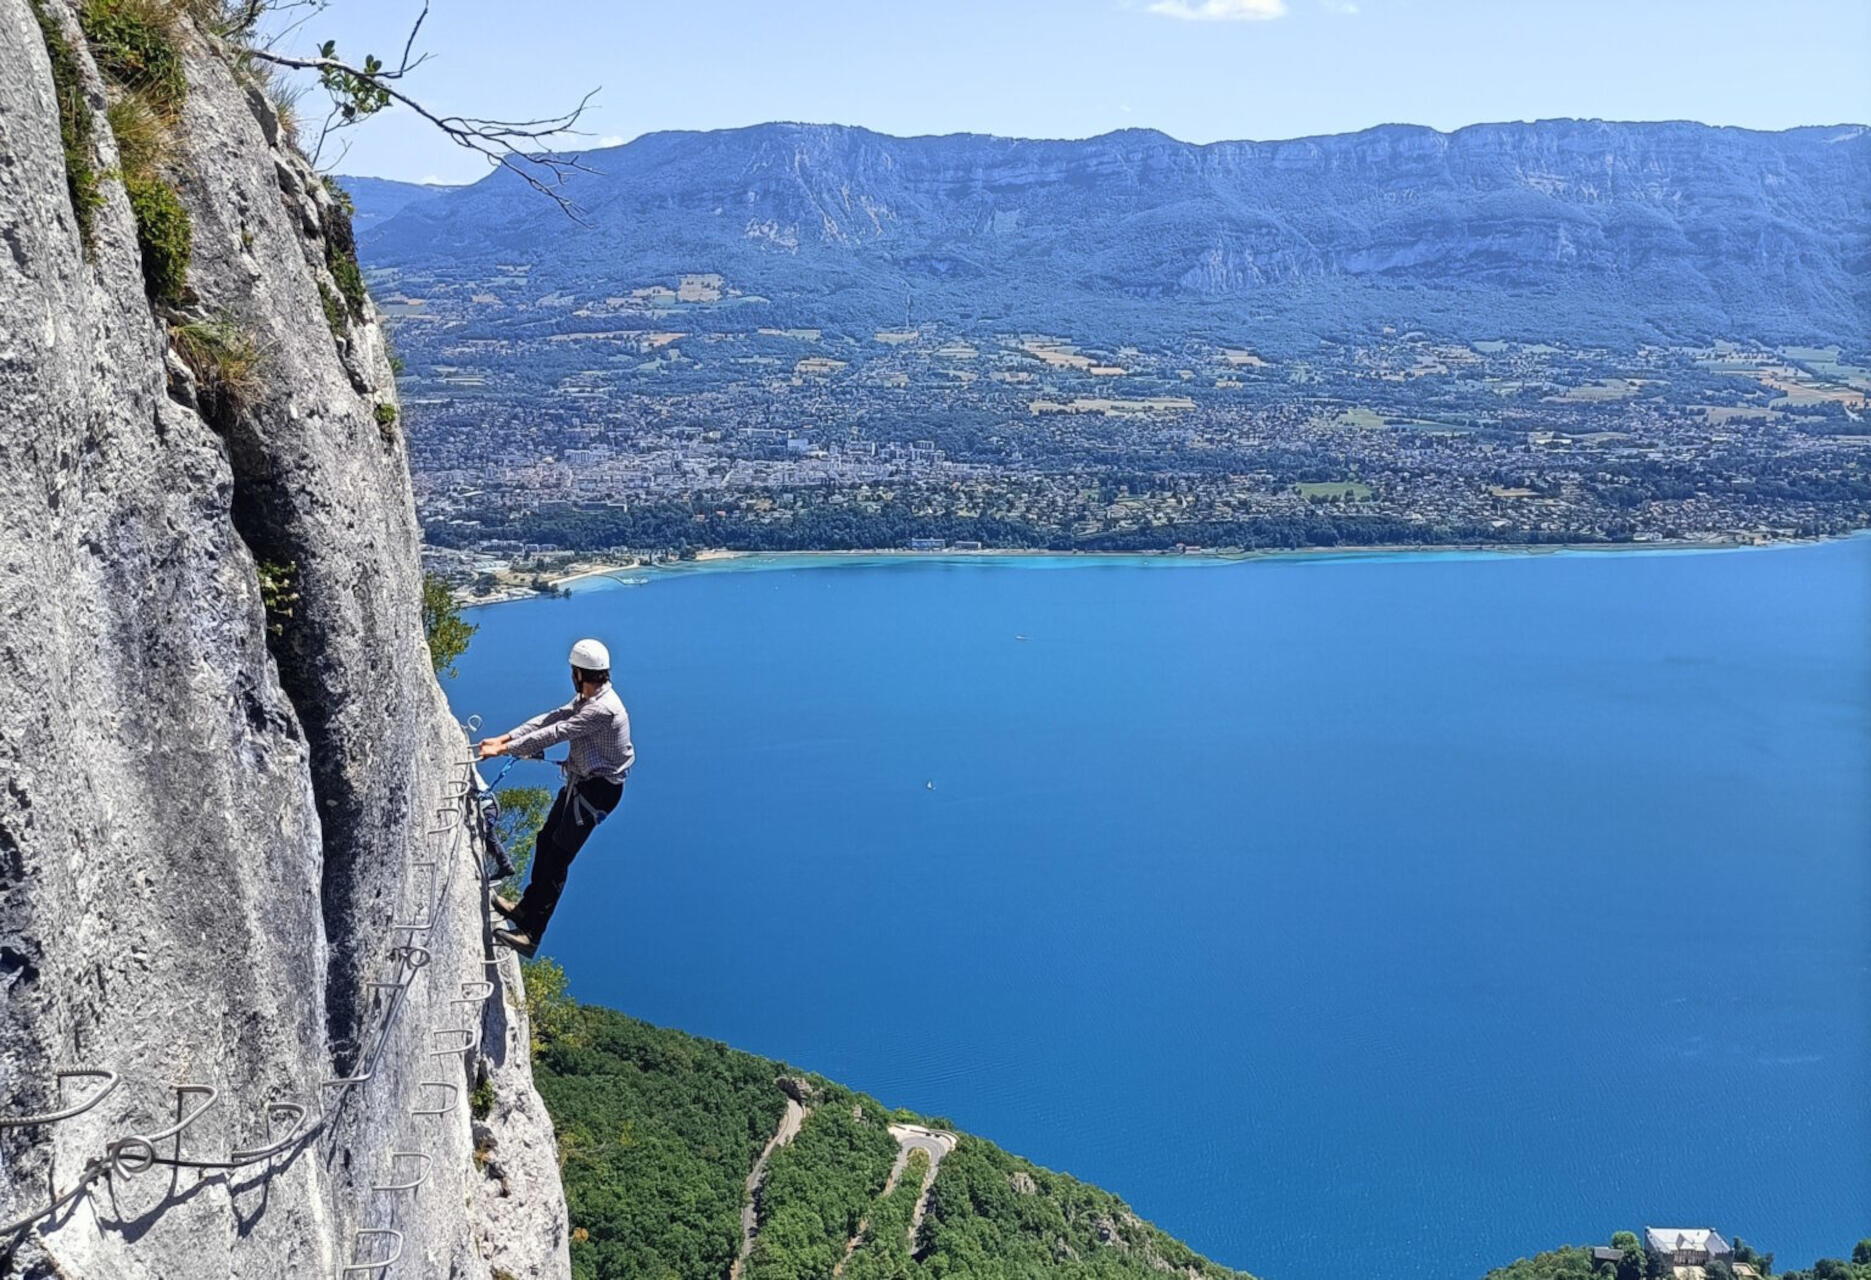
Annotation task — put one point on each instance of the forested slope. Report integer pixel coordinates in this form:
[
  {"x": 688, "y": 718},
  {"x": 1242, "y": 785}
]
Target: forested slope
[{"x": 660, "y": 1129}]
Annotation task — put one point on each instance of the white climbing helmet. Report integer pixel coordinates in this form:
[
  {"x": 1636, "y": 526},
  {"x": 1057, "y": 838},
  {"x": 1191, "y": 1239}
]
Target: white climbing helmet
[{"x": 589, "y": 655}]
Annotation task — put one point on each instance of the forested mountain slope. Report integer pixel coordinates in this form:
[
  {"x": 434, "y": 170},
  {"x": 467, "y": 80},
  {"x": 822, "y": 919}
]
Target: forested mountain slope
[{"x": 659, "y": 1130}]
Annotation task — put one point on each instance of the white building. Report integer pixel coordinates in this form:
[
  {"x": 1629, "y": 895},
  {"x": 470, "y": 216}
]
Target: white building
[{"x": 1686, "y": 1246}]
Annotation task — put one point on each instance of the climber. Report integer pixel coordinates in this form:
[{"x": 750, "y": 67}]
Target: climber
[{"x": 596, "y": 730}]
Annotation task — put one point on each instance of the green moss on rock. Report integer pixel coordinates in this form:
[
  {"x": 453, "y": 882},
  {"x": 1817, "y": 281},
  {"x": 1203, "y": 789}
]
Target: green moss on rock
[
  {"x": 165, "y": 234},
  {"x": 74, "y": 126}
]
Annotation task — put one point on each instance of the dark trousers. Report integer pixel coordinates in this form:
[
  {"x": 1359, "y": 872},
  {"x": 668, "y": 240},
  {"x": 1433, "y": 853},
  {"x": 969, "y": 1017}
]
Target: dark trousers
[{"x": 567, "y": 828}]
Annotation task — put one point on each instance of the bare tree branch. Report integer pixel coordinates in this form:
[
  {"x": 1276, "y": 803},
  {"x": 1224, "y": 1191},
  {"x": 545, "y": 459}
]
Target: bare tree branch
[
  {"x": 519, "y": 146},
  {"x": 410, "y": 43}
]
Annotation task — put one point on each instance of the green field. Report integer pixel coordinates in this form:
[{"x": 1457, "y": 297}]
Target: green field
[
  {"x": 1361, "y": 419},
  {"x": 1348, "y": 490}
]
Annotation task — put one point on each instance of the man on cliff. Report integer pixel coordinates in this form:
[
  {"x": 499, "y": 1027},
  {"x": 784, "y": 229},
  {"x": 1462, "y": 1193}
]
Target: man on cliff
[{"x": 596, "y": 730}]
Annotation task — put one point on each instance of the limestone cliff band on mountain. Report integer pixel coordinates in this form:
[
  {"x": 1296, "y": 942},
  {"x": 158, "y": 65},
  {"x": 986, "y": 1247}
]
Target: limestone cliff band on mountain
[
  {"x": 1581, "y": 231},
  {"x": 596, "y": 731}
]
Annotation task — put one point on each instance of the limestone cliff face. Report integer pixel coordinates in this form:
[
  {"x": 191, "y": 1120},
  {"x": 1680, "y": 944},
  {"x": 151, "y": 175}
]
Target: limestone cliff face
[{"x": 213, "y": 819}]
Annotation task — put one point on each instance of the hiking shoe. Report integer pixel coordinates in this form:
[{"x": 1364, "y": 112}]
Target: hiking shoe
[
  {"x": 507, "y": 907},
  {"x": 520, "y": 942}
]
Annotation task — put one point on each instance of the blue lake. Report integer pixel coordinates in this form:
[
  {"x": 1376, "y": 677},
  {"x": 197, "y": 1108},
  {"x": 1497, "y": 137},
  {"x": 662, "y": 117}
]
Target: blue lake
[{"x": 1396, "y": 915}]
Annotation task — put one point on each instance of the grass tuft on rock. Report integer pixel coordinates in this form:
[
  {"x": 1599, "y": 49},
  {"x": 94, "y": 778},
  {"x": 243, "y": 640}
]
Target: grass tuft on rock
[
  {"x": 142, "y": 136},
  {"x": 74, "y": 126},
  {"x": 164, "y": 233},
  {"x": 134, "y": 42},
  {"x": 224, "y": 358},
  {"x": 284, "y": 93}
]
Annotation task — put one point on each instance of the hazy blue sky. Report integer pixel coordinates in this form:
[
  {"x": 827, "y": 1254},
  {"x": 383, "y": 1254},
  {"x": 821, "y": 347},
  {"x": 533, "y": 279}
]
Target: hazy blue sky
[{"x": 1197, "y": 69}]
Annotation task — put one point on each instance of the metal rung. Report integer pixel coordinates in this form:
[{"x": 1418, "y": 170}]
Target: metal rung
[
  {"x": 412, "y": 928},
  {"x": 473, "y": 1041},
  {"x": 453, "y": 1093},
  {"x": 136, "y": 1153},
  {"x": 420, "y": 1178},
  {"x": 340, "y": 1081},
  {"x": 53, "y": 1117},
  {"x": 274, "y": 1145},
  {"x": 396, "y": 1249},
  {"x": 477, "y": 989}
]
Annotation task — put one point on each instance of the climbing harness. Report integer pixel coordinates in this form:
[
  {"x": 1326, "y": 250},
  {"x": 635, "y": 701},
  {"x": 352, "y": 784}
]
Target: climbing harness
[{"x": 487, "y": 808}]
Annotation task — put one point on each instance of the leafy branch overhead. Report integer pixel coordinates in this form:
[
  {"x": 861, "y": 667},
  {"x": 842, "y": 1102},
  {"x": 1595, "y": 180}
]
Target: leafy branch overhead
[
  {"x": 354, "y": 95},
  {"x": 361, "y": 90}
]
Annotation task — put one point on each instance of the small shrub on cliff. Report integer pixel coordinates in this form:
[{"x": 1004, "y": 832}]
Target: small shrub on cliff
[
  {"x": 446, "y": 633},
  {"x": 350, "y": 281},
  {"x": 339, "y": 323},
  {"x": 385, "y": 414},
  {"x": 224, "y": 358},
  {"x": 164, "y": 233},
  {"x": 341, "y": 248},
  {"x": 278, "y": 592},
  {"x": 339, "y": 195},
  {"x": 74, "y": 126},
  {"x": 134, "y": 42},
  {"x": 442, "y": 625}
]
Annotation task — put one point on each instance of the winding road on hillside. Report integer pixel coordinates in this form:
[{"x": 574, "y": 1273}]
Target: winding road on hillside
[
  {"x": 790, "y": 1124},
  {"x": 934, "y": 1143}
]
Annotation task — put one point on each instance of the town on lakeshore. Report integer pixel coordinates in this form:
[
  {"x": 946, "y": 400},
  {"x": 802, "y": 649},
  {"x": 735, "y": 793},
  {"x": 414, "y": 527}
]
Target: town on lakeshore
[{"x": 556, "y": 432}]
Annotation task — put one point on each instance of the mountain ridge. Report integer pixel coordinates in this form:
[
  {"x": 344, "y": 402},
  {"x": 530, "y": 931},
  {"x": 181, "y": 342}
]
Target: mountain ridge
[{"x": 1582, "y": 230}]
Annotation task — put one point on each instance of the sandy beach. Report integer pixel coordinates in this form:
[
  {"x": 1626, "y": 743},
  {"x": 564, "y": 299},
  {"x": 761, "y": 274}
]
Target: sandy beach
[{"x": 717, "y": 560}]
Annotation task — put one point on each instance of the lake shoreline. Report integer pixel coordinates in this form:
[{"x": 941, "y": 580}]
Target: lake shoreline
[{"x": 721, "y": 560}]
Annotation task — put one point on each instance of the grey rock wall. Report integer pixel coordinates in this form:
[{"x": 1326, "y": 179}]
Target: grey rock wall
[{"x": 209, "y": 831}]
